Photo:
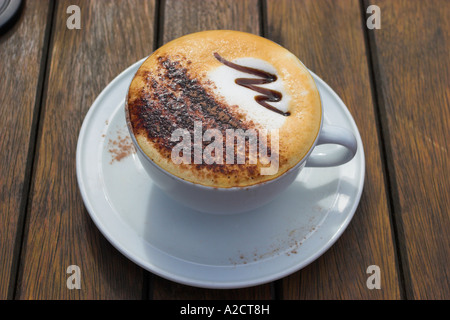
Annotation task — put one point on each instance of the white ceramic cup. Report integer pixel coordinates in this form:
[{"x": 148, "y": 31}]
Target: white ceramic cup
[{"x": 240, "y": 199}]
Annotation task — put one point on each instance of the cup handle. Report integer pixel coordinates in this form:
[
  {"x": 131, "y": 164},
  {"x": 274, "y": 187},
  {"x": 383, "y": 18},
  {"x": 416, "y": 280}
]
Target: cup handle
[{"x": 334, "y": 135}]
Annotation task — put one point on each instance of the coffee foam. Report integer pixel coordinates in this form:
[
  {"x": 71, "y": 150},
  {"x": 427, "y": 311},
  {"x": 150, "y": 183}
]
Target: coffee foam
[
  {"x": 224, "y": 78},
  {"x": 183, "y": 83}
]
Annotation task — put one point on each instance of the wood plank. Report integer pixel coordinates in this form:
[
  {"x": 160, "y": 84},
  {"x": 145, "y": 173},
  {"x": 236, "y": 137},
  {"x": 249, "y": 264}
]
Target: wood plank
[
  {"x": 183, "y": 17},
  {"x": 412, "y": 61},
  {"x": 328, "y": 37},
  {"x": 22, "y": 50},
  {"x": 59, "y": 232}
]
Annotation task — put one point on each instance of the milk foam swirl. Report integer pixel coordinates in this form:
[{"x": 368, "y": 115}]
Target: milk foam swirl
[{"x": 250, "y": 83}]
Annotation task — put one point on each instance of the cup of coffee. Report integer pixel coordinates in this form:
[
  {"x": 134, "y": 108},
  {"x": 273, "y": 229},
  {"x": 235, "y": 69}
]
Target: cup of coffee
[{"x": 223, "y": 121}]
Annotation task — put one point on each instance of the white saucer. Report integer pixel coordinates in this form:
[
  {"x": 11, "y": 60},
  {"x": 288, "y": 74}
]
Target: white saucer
[{"x": 198, "y": 249}]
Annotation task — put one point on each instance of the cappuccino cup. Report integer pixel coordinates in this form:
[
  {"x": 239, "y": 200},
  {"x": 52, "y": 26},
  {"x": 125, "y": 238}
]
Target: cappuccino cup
[{"x": 224, "y": 121}]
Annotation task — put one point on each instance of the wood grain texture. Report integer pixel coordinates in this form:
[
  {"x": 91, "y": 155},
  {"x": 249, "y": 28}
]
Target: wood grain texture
[
  {"x": 412, "y": 60},
  {"x": 328, "y": 37},
  {"x": 183, "y": 17},
  {"x": 180, "y": 18},
  {"x": 21, "y": 54},
  {"x": 59, "y": 232}
]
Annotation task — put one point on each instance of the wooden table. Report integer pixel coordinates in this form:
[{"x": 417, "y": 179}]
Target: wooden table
[{"x": 394, "y": 80}]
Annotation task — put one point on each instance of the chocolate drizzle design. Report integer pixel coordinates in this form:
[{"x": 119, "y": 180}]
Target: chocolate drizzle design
[{"x": 250, "y": 83}]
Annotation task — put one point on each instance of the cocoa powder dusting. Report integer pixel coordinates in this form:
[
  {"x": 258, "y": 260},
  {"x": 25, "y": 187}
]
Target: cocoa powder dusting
[{"x": 120, "y": 148}]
